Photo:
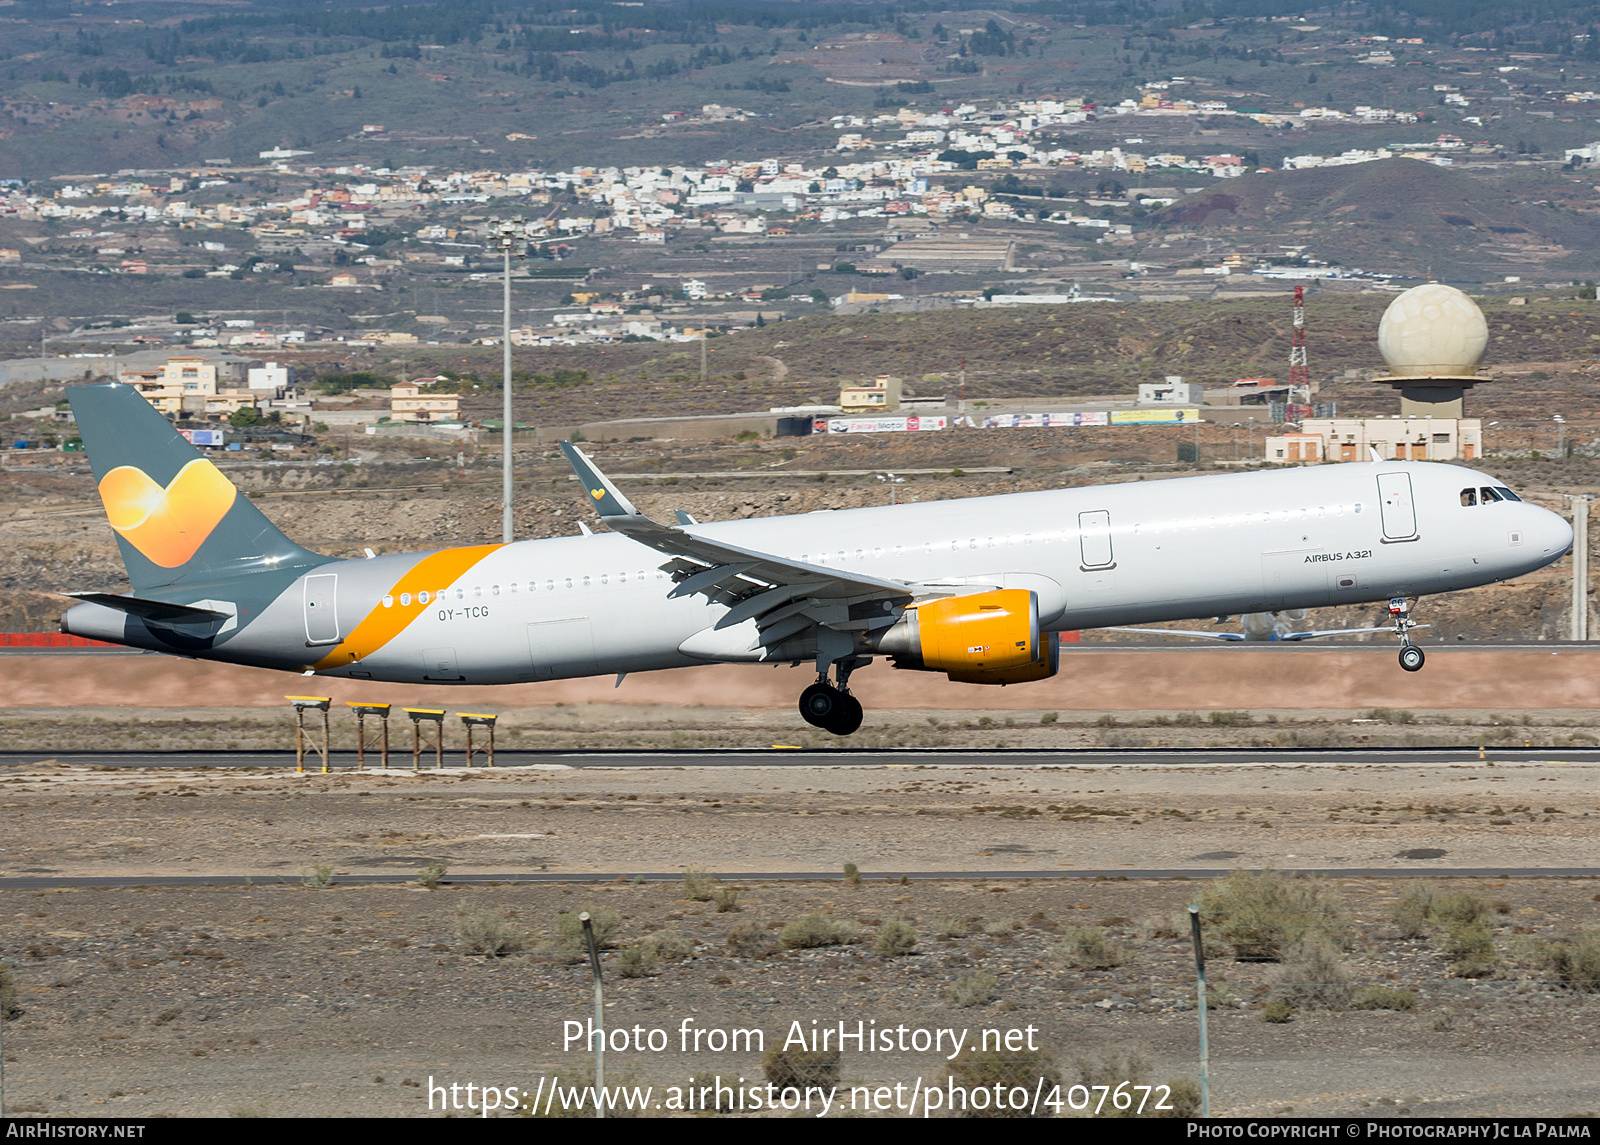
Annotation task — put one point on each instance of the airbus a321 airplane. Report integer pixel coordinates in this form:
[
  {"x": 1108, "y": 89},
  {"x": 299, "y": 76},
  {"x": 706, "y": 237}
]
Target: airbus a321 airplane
[{"x": 976, "y": 589}]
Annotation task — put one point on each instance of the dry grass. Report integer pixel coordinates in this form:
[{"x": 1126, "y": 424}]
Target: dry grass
[
  {"x": 1263, "y": 915},
  {"x": 798, "y": 1068},
  {"x": 1091, "y": 948},
  {"x": 1576, "y": 963},
  {"x": 749, "y": 940},
  {"x": 569, "y": 931},
  {"x": 973, "y": 990},
  {"x": 489, "y": 930},
  {"x": 897, "y": 937},
  {"x": 984, "y": 1070},
  {"x": 635, "y": 962},
  {"x": 669, "y": 945},
  {"x": 1383, "y": 998},
  {"x": 1311, "y": 976},
  {"x": 697, "y": 885},
  {"x": 819, "y": 930}
]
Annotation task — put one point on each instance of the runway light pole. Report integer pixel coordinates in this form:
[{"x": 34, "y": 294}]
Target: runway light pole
[{"x": 509, "y": 237}]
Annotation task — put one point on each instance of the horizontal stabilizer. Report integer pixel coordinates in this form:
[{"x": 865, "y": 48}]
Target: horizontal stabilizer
[{"x": 155, "y": 611}]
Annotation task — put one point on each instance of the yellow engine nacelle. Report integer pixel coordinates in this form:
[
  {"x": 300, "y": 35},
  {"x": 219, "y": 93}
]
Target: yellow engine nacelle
[{"x": 984, "y": 638}]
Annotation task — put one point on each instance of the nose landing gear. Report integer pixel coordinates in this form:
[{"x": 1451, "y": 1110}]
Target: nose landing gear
[
  {"x": 831, "y": 707},
  {"x": 1411, "y": 657}
]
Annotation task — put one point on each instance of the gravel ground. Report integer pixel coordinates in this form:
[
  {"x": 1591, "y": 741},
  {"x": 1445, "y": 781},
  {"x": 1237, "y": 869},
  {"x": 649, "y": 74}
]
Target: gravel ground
[{"x": 281, "y": 999}]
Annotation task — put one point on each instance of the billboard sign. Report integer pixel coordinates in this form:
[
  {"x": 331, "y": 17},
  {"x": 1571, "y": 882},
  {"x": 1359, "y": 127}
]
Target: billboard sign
[
  {"x": 1155, "y": 416},
  {"x": 910, "y": 424}
]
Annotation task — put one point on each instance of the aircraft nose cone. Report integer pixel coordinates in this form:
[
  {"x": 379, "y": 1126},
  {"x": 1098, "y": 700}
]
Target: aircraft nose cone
[{"x": 1554, "y": 533}]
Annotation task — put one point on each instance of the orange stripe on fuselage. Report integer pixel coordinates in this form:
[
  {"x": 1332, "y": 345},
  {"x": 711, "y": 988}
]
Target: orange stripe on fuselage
[{"x": 433, "y": 573}]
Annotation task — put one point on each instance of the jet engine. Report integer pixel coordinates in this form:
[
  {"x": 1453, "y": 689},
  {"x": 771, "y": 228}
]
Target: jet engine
[{"x": 984, "y": 638}]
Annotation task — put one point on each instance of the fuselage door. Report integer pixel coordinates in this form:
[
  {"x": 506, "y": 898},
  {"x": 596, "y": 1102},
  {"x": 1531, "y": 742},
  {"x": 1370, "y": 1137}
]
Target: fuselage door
[
  {"x": 1397, "y": 507},
  {"x": 1094, "y": 540},
  {"x": 322, "y": 612}
]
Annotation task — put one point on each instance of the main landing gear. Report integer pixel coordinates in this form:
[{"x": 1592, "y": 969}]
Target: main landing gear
[
  {"x": 832, "y": 707},
  {"x": 1411, "y": 657}
]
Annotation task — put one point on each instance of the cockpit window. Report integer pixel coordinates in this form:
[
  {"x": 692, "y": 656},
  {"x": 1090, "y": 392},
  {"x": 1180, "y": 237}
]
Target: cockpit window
[
  {"x": 1506, "y": 494},
  {"x": 1489, "y": 495},
  {"x": 1469, "y": 496}
]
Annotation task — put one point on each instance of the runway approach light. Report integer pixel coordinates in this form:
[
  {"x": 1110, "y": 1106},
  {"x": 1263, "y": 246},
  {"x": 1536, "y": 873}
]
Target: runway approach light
[
  {"x": 302, "y": 705},
  {"x": 362, "y": 711},
  {"x": 471, "y": 720},
  {"x": 420, "y": 716},
  {"x": 1433, "y": 338}
]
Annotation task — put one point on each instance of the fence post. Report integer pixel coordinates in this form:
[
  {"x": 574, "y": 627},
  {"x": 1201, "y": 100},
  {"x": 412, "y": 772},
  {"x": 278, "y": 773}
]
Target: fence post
[
  {"x": 599, "y": 1015},
  {"x": 1200, "y": 974}
]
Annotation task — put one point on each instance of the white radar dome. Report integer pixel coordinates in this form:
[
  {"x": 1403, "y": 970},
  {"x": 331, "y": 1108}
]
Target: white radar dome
[{"x": 1433, "y": 330}]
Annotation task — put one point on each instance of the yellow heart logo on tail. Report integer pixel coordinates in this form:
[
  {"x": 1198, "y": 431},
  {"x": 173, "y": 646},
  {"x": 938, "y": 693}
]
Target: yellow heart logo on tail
[
  {"x": 597, "y": 493},
  {"x": 167, "y": 525}
]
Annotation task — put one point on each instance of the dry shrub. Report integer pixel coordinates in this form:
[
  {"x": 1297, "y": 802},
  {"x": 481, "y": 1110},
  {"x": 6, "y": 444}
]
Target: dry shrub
[
  {"x": 668, "y": 945},
  {"x": 431, "y": 875},
  {"x": 1090, "y": 948},
  {"x": 819, "y": 930},
  {"x": 1460, "y": 908},
  {"x": 488, "y": 930},
  {"x": 1311, "y": 976},
  {"x": 8, "y": 993},
  {"x": 725, "y": 899},
  {"x": 1470, "y": 948},
  {"x": 1001, "y": 927},
  {"x": 1160, "y": 926},
  {"x": 1576, "y": 963},
  {"x": 799, "y": 1068},
  {"x": 635, "y": 962},
  {"x": 1413, "y": 911},
  {"x": 852, "y": 875},
  {"x": 897, "y": 937},
  {"x": 1263, "y": 915},
  {"x": 1126, "y": 1070},
  {"x": 1383, "y": 998},
  {"x": 975, "y": 1069},
  {"x": 1184, "y": 1098},
  {"x": 749, "y": 939},
  {"x": 569, "y": 931},
  {"x": 1277, "y": 1012},
  {"x": 318, "y": 877},
  {"x": 951, "y": 927},
  {"x": 973, "y": 990},
  {"x": 697, "y": 885}
]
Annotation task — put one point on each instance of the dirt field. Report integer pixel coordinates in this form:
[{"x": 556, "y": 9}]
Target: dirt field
[{"x": 282, "y": 999}]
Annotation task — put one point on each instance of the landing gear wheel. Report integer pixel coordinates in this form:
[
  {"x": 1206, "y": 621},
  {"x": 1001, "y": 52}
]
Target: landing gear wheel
[
  {"x": 1411, "y": 658},
  {"x": 820, "y": 704},
  {"x": 847, "y": 715}
]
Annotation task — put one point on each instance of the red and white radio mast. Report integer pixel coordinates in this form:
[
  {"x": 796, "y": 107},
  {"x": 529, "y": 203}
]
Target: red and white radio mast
[{"x": 1299, "y": 371}]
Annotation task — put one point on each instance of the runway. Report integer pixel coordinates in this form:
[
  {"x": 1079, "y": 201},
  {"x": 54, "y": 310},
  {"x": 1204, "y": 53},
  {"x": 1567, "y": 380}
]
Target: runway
[
  {"x": 400, "y": 764},
  {"x": 498, "y": 878}
]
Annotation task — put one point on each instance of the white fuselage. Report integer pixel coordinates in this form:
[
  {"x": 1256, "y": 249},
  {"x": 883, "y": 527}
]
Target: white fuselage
[{"x": 1097, "y": 556}]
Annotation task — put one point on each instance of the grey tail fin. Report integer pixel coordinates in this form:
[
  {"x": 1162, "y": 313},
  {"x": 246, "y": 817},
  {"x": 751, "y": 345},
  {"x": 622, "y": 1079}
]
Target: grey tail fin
[{"x": 179, "y": 520}]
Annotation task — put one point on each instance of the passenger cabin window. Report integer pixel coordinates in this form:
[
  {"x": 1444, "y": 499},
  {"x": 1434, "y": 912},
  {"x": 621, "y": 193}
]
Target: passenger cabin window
[{"x": 1469, "y": 497}]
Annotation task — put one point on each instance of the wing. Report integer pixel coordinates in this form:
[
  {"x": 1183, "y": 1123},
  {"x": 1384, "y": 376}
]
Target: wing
[
  {"x": 782, "y": 597},
  {"x": 1182, "y": 632},
  {"x": 1339, "y": 632}
]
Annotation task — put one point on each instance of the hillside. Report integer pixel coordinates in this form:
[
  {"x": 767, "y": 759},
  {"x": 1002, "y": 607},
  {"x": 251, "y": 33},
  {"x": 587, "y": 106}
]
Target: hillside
[{"x": 1394, "y": 217}]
